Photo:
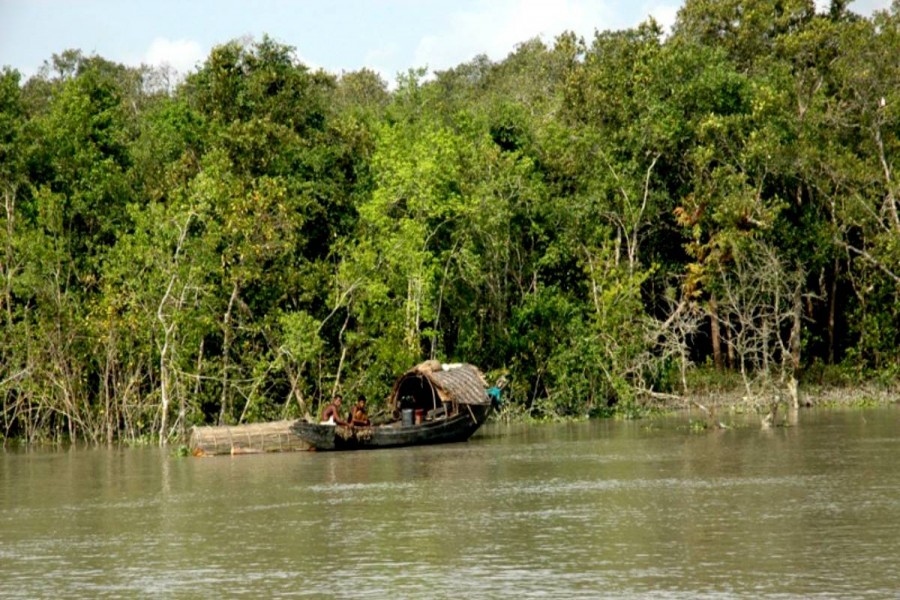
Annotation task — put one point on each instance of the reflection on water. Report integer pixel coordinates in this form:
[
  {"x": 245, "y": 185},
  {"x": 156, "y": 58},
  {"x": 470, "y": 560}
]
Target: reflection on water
[{"x": 610, "y": 509}]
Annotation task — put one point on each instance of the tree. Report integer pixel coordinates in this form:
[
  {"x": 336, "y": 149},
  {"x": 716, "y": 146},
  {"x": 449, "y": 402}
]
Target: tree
[
  {"x": 760, "y": 305},
  {"x": 746, "y": 29}
]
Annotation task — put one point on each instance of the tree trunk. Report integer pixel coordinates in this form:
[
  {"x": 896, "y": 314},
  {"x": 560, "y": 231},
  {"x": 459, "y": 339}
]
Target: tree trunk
[
  {"x": 769, "y": 420},
  {"x": 832, "y": 308},
  {"x": 226, "y": 344},
  {"x": 182, "y": 405},
  {"x": 715, "y": 332},
  {"x": 10, "y": 205},
  {"x": 795, "y": 328},
  {"x": 164, "y": 389},
  {"x": 793, "y": 390},
  {"x": 107, "y": 387},
  {"x": 337, "y": 375},
  {"x": 168, "y": 329},
  {"x": 890, "y": 204},
  {"x": 729, "y": 348},
  {"x": 164, "y": 372}
]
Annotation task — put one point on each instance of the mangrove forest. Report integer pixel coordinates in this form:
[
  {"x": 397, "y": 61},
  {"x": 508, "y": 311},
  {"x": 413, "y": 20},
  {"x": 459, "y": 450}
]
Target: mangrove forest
[{"x": 607, "y": 221}]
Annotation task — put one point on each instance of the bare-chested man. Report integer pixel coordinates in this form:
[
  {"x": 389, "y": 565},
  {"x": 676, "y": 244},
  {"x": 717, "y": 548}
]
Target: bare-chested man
[{"x": 332, "y": 413}]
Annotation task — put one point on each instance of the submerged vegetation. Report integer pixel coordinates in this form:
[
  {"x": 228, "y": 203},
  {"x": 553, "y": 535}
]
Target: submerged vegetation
[{"x": 594, "y": 217}]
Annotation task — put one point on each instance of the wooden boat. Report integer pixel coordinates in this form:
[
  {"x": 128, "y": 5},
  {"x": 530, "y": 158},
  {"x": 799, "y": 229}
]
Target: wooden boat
[{"x": 431, "y": 403}]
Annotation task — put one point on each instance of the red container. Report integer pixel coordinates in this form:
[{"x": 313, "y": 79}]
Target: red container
[{"x": 420, "y": 414}]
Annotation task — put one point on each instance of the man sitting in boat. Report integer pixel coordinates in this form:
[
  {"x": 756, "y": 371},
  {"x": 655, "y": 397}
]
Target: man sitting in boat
[
  {"x": 358, "y": 415},
  {"x": 332, "y": 414}
]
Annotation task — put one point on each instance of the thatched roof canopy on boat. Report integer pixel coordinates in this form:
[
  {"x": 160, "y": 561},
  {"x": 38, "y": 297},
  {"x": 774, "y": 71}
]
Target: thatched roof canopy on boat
[{"x": 430, "y": 383}]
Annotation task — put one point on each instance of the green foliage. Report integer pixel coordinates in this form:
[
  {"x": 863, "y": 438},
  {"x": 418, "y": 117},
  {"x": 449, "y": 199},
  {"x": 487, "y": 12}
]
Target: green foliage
[{"x": 243, "y": 244}]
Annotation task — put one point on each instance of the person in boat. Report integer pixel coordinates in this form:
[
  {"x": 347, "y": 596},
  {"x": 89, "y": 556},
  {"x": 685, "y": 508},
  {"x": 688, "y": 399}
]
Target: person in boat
[
  {"x": 358, "y": 415},
  {"x": 331, "y": 415}
]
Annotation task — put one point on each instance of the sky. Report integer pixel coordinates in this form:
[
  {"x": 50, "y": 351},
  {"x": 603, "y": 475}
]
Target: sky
[{"x": 387, "y": 36}]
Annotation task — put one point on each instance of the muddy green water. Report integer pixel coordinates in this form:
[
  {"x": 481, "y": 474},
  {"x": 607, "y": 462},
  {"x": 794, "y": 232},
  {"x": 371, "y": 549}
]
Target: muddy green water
[{"x": 641, "y": 509}]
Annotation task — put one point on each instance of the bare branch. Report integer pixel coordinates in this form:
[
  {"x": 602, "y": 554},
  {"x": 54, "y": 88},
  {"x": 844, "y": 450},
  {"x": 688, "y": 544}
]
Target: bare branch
[{"x": 870, "y": 259}]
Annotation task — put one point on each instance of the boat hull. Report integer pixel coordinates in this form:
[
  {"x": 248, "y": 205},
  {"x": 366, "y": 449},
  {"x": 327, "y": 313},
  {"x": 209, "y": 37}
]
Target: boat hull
[{"x": 456, "y": 428}]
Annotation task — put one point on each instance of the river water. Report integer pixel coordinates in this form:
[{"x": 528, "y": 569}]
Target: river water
[{"x": 606, "y": 509}]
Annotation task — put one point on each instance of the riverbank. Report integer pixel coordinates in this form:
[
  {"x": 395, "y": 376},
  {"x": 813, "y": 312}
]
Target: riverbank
[
  {"x": 716, "y": 395},
  {"x": 821, "y": 396},
  {"x": 713, "y": 392},
  {"x": 823, "y": 386}
]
